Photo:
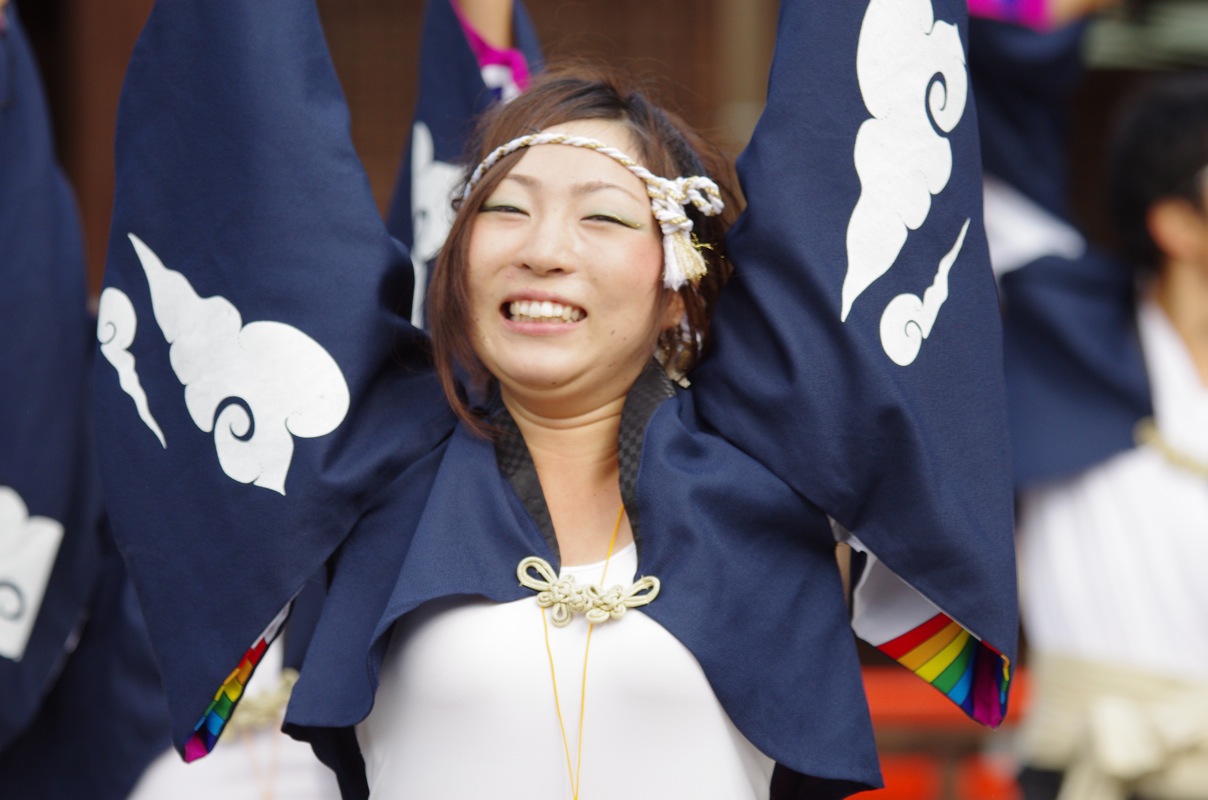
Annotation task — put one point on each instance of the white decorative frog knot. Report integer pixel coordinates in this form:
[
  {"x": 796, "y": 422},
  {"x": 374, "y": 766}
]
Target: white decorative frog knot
[{"x": 567, "y": 598}]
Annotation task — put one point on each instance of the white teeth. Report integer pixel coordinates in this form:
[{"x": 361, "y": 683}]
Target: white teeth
[{"x": 543, "y": 311}]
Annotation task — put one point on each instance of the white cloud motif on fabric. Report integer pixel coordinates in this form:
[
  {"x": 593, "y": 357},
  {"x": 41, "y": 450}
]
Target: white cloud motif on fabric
[
  {"x": 255, "y": 386},
  {"x": 501, "y": 78},
  {"x": 913, "y": 79},
  {"x": 908, "y": 318},
  {"x": 116, "y": 325},
  {"x": 432, "y": 185},
  {"x": 28, "y": 548}
]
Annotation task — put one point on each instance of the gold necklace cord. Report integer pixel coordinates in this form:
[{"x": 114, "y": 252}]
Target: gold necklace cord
[
  {"x": 575, "y": 773},
  {"x": 1147, "y": 433},
  {"x": 266, "y": 783},
  {"x": 558, "y": 705},
  {"x": 263, "y": 712}
]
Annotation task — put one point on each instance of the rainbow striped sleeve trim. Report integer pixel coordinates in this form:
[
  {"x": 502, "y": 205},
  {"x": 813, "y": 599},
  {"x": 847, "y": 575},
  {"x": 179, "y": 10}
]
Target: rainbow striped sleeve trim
[
  {"x": 895, "y": 618},
  {"x": 218, "y": 713},
  {"x": 969, "y": 672}
]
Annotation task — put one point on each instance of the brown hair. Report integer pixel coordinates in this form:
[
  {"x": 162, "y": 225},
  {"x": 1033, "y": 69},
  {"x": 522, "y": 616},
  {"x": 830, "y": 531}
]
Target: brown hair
[{"x": 666, "y": 146}]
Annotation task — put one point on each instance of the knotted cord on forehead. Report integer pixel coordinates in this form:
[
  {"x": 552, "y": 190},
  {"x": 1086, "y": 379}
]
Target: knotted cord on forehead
[{"x": 682, "y": 261}]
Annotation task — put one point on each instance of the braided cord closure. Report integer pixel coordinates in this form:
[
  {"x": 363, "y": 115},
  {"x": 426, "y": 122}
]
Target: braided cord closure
[
  {"x": 567, "y": 598},
  {"x": 682, "y": 261}
]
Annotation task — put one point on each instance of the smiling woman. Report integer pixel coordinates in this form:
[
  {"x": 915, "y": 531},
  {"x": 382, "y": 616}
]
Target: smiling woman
[
  {"x": 571, "y": 227},
  {"x": 553, "y": 293},
  {"x": 581, "y": 542},
  {"x": 549, "y": 233},
  {"x": 546, "y": 220}
]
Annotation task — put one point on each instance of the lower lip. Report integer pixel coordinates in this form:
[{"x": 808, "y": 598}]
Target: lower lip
[{"x": 538, "y": 328}]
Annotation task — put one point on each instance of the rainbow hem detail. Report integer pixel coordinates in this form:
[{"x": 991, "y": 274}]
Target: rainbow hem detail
[
  {"x": 966, "y": 670},
  {"x": 218, "y": 713}
]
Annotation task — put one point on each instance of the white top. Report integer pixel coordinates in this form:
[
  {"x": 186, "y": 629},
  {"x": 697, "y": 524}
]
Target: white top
[
  {"x": 466, "y": 709},
  {"x": 255, "y": 765},
  {"x": 1020, "y": 231},
  {"x": 1112, "y": 561}
]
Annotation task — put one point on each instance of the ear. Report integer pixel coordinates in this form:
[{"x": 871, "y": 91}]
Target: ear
[
  {"x": 673, "y": 310},
  {"x": 1177, "y": 228}
]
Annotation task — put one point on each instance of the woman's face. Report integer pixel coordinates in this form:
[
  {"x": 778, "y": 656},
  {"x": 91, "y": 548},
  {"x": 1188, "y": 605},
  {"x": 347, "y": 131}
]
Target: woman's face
[{"x": 565, "y": 272}]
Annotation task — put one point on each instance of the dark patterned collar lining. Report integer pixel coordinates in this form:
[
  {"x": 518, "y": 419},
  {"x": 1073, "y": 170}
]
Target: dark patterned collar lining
[{"x": 511, "y": 454}]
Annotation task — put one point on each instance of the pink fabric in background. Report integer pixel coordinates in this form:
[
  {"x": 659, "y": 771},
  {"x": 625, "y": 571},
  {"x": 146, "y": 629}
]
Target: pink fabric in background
[
  {"x": 489, "y": 55},
  {"x": 1033, "y": 13}
]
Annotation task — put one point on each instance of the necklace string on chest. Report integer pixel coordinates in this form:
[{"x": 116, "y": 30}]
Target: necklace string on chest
[
  {"x": 1147, "y": 433},
  {"x": 574, "y": 772},
  {"x": 266, "y": 779}
]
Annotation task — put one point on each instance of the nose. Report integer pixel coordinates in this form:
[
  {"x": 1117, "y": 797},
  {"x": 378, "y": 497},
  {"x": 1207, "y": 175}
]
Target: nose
[{"x": 551, "y": 246}]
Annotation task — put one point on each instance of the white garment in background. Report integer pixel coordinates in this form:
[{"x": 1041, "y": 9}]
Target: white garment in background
[
  {"x": 465, "y": 709},
  {"x": 259, "y": 765},
  {"x": 1114, "y": 562}
]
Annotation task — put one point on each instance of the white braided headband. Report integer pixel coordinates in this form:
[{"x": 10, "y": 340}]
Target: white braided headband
[{"x": 682, "y": 261}]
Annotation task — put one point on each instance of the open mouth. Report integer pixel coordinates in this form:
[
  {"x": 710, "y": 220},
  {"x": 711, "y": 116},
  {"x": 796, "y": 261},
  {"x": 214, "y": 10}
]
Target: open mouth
[{"x": 542, "y": 311}]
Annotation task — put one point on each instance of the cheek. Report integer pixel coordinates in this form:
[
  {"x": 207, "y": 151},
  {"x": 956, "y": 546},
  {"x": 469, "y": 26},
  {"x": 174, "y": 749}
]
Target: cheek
[
  {"x": 643, "y": 264},
  {"x": 650, "y": 275},
  {"x": 478, "y": 256},
  {"x": 473, "y": 272},
  {"x": 478, "y": 294}
]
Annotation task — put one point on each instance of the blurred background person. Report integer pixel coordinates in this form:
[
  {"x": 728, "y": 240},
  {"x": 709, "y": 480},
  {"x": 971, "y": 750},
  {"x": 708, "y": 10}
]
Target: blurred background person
[
  {"x": 1107, "y": 367},
  {"x": 81, "y": 708}
]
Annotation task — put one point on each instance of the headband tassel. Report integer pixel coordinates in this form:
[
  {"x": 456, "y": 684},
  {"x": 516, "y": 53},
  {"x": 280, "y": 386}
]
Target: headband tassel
[{"x": 682, "y": 261}]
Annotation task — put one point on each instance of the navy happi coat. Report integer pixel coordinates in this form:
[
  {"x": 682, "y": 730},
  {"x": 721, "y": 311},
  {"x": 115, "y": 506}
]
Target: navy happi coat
[{"x": 289, "y": 417}]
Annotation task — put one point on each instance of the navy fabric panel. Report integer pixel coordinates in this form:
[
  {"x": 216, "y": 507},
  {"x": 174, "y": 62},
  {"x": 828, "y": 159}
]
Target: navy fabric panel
[
  {"x": 235, "y": 168},
  {"x": 749, "y": 585},
  {"x": 1023, "y": 81},
  {"x": 451, "y": 95},
  {"x": 1076, "y": 376},
  {"x": 913, "y": 459},
  {"x": 303, "y": 618},
  {"x": 45, "y": 438},
  {"x": 1076, "y": 380},
  {"x": 337, "y": 686},
  {"x": 105, "y": 719}
]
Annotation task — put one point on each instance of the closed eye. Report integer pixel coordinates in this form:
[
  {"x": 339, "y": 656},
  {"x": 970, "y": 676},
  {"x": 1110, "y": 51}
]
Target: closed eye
[
  {"x": 613, "y": 219},
  {"x": 501, "y": 208}
]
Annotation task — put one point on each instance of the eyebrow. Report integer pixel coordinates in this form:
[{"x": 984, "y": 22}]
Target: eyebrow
[{"x": 587, "y": 187}]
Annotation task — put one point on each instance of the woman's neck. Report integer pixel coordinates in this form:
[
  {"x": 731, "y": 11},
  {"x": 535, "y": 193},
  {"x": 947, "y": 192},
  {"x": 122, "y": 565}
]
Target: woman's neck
[{"x": 576, "y": 462}]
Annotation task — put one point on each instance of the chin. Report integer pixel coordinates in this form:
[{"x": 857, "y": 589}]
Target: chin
[{"x": 537, "y": 380}]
